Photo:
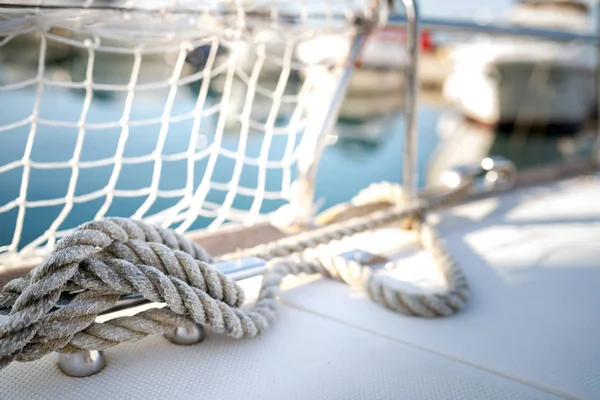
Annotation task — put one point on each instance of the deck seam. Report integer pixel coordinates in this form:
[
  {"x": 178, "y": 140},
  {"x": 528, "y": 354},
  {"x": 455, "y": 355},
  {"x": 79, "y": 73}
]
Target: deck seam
[{"x": 550, "y": 390}]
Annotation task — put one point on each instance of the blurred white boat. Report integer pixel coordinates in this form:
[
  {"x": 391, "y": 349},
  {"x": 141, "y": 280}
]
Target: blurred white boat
[
  {"x": 383, "y": 60},
  {"x": 505, "y": 80}
]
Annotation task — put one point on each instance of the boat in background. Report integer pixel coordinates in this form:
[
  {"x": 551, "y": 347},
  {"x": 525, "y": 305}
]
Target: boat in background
[
  {"x": 384, "y": 59},
  {"x": 533, "y": 81},
  {"x": 571, "y": 15},
  {"x": 382, "y": 63}
]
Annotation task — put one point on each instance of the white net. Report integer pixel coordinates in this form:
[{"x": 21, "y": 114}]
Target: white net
[{"x": 192, "y": 116}]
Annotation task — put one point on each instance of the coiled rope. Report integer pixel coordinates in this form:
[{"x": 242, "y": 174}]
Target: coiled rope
[{"x": 102, "y": 260}]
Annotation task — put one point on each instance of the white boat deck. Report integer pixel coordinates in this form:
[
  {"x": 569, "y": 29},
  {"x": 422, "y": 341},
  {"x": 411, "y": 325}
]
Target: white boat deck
[{"x": 530, "y": 330}]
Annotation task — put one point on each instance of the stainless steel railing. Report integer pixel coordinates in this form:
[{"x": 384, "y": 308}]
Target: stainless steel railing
[
  {"x": 410, "y": 160},
  {"x": 458, "y": 25},
  {"x": 414, "y": 23}
]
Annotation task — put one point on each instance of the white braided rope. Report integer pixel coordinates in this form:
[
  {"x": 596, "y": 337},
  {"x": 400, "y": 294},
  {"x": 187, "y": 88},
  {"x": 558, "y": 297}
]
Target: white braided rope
[{"x": 104, "y": 259}]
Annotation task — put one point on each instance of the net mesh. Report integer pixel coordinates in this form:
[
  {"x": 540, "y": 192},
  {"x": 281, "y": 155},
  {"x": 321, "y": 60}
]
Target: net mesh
[{"x": 190, "y": 114}]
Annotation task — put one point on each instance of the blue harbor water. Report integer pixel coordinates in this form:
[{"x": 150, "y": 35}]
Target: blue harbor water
[
  {"x": 365, "y": 151},
  {"x": 346, "y": 166}
]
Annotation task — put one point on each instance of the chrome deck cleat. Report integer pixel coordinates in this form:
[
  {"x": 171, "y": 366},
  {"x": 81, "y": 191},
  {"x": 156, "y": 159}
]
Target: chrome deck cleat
[
  {"x": 492, "y": 174},
  {"x": 81, "y": 364},
  {"x": 186, "y": 335},
  {"x": 90, "y": 362}
]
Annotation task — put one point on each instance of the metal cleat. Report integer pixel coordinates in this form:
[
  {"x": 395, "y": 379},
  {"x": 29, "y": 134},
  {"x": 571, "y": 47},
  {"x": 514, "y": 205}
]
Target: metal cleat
[
  {"x": 501, "y": 173},
  {"x": 492, "y": 174},
  {"x": 186, "y": 335},
  {"x": 81, "y": 364},
  {"x": 90, "y": 362}
]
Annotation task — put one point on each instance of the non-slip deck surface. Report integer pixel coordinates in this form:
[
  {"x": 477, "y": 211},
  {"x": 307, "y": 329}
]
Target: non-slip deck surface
[{"x": 530, "y": 330}]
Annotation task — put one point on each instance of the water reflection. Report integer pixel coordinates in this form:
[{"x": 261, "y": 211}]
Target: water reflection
[
  {"x": 463, "y": 141},
  {"x": 160, "y": 123},
  {"x": 363, "y": 135}
]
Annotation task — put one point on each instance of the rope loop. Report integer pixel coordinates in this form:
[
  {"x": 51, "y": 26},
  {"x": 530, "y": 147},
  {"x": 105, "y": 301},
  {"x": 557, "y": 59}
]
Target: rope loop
[{"x": 102, "y": 260}]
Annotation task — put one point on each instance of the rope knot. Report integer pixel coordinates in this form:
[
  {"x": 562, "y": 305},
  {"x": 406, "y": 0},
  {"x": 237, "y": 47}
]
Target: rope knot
[{"x": 100, "y": 261}]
